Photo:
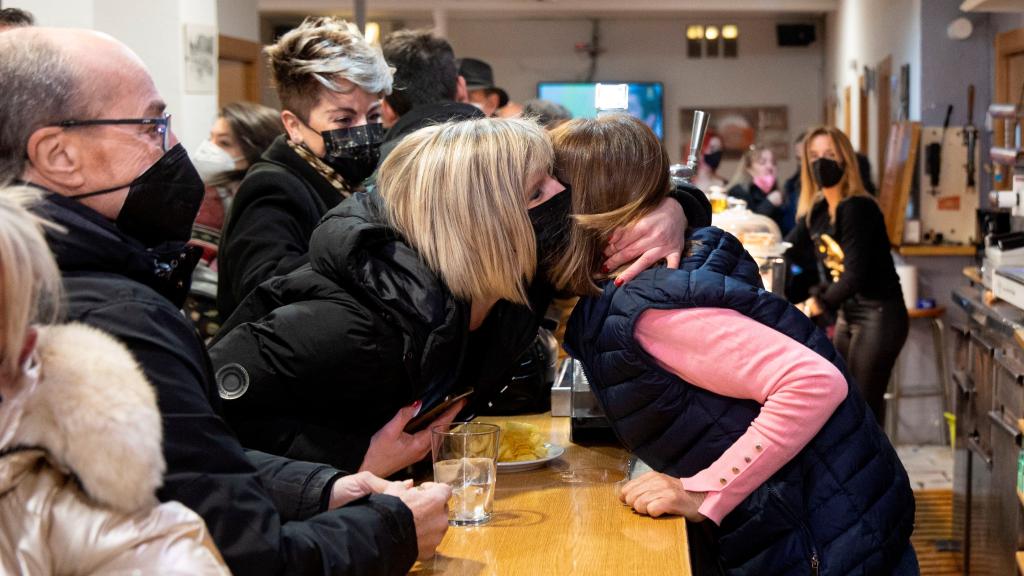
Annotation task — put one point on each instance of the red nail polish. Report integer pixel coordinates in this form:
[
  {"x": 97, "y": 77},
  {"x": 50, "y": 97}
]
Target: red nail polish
[
  {"x": 417, "y": 404},
  {"x": 618, "y": 281},
  {"x": 604, "y": 269}
]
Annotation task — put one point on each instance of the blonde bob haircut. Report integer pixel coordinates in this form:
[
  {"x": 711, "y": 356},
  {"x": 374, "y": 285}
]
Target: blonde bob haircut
[
  {"x": 318, "y": 53},
  {"x": 850, "y": 185},
  {"x": 29, "y": 279},
  {"x": 618, "y": 172},
  {"x": 457, "y": 192}
]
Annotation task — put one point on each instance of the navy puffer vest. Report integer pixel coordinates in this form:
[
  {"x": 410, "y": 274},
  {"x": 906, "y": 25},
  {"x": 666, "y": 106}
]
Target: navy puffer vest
[{"x": 843, "y": 505}]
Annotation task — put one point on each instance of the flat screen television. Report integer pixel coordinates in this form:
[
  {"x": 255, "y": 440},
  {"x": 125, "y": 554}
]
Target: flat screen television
[{"x": 646, "y": 100}]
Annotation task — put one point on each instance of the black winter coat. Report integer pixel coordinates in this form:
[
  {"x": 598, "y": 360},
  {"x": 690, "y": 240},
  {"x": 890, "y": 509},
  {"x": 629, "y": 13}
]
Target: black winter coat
[
  {"x": 279, "y": 203},
  {"x": 331, "y": 351},
  {"x": 265, "y": 513}
]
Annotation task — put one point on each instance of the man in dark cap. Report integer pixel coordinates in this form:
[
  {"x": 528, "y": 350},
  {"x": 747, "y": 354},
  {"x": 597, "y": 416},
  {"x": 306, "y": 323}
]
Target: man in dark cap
[{"x": 480, "y": 86}]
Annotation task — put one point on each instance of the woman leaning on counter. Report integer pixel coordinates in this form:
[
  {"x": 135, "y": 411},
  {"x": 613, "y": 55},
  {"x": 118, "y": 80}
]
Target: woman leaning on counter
[
  {"x": 847, "y": 229},
  {"x": 733, "y": 396}
]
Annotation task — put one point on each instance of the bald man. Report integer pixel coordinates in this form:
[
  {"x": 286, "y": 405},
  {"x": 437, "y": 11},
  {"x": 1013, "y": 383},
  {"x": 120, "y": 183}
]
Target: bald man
[{"x": 81, "y": 119}]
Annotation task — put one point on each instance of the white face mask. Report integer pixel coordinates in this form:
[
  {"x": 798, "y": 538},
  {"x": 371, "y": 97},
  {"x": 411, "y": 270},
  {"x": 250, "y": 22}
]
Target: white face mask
[
  {"x": 13, "y": 405},
  {"x": 211, "y": 160}
]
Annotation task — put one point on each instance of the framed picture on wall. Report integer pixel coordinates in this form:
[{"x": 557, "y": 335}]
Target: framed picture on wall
[{"x": 741, "y": 127}]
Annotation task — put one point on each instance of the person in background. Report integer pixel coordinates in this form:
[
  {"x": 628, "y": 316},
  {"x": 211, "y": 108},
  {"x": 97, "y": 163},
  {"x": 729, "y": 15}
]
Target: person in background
[
  {"x": 427, "y": 85},
  {"x": 330, "y": 82},
  {"x": 124, "y": 193},
  {"x": 15, "y": 18},
  {"x": 791, "y": 188},
  {"x": 239, "y": 136},
  {"x": 707, "y": 169},
  {"x": 480, "y": 89},
  {"x": 548, "y": 114},
  {"x": 511, "y": 110},
  {"x": 732, "y": 396},
  {"x": 845, "y": 225},
  {"x": 755, "y": 183},
  {"x": 80, "y": 458}
]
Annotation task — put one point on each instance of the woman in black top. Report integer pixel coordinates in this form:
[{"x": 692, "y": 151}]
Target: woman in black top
[
  {"x": 848, "y": 232},
  {"x": 755, "y": 182}
]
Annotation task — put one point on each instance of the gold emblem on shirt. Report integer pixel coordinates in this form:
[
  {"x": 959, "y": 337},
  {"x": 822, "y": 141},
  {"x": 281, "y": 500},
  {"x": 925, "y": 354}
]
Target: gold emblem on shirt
[{"x": 834, "y": 256}]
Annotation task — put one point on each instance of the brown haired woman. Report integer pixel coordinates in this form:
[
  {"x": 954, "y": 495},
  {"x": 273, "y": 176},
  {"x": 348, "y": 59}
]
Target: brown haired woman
[
  {"x": 731, "y": 394},
  {"x": 848, "y": 231}
]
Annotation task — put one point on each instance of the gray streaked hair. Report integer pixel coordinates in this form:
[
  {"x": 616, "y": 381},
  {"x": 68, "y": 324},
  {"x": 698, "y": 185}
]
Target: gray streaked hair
[
  {"x": 40, "y": 87},
  {"x": 546, "y": 113},
  {"x": 319, "y": 52}
]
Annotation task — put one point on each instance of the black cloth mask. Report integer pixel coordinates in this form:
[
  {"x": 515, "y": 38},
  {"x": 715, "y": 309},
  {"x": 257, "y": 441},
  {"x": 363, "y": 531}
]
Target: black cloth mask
[
  {"x": 827, "y": 172},
  {"x": 354, "y": 152},
  {"x": 162, "y": 202},
  {"x": 551, "y": 221},
  {"x": 713, "y": 160}
]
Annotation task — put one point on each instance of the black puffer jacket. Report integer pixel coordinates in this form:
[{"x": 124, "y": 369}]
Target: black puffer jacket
[
  {"x": 330, "y": 352},
  {"x": 265, "y": 513}
]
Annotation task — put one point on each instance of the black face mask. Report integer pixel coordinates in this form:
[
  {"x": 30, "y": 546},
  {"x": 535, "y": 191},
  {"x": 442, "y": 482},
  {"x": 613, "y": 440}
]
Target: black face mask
[
  {"x": 827, "y": 172},
  {"x": 162, "y": 203},
  {"x": 354, "y": 152},
  {"x": 713, "y": 160},
  {"x": 551, "y": 222}
]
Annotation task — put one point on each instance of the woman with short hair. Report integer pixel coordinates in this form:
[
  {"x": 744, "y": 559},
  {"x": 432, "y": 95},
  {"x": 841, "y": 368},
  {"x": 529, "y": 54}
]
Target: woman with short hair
[
  {"x": 80, "y": 434},
  {"x": 330, "y": 82},
  {"x": 735, "y": 399}
]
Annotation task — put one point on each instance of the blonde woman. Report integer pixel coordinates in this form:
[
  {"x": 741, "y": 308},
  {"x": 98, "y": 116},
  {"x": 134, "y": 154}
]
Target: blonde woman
[
  {"x": 847, "y": 229},
  {"x": 330, "y": 82},
  {"x": 80, "y": 435},
  {"x": 343, "y": 352},
  {"x": 730, "y": 394},
  {"x": 756, "y": 183}
]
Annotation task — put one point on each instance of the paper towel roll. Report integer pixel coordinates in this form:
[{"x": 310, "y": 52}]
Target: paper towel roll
[{"x": 908, "y": 281}]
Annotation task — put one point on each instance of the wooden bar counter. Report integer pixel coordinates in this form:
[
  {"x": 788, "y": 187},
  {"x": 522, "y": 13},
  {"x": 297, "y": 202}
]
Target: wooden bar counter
[{"x": 563, "y": 518}]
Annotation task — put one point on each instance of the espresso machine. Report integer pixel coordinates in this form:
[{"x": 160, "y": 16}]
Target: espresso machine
[{"x": 588, "y": 422}]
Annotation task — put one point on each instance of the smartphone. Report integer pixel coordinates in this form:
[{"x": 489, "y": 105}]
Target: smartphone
[{"x": 422, "y": 420}]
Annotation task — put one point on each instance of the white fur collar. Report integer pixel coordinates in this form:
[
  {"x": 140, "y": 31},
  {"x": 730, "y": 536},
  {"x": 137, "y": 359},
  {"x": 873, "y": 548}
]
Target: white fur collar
[{"x": 95, "y": 414}]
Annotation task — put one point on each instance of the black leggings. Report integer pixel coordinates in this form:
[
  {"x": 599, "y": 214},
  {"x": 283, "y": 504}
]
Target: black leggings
[{"x": 869, "y": 335}]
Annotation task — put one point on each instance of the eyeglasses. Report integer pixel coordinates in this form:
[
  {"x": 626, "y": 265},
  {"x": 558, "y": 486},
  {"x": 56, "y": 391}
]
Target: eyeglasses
[{"x": 162, "y": 125}]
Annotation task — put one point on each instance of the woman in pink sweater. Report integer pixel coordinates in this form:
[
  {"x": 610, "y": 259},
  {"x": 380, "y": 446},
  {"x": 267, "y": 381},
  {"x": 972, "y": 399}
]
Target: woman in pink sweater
[{"x": 731, "y": 394}]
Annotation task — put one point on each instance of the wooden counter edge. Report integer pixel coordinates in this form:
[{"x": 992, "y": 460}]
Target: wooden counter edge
[
  {"x": 973, "y": 273},
  {"x": 936, "y": 250}
]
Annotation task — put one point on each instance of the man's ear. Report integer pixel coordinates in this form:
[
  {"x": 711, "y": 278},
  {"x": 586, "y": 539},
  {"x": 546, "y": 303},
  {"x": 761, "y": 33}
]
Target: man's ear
[
  {"x": 54, "y": 157},
  {"x": 461, "y": 93},
  {"x": 292, "y": 125},
  {"x": 387, "y": 114}
]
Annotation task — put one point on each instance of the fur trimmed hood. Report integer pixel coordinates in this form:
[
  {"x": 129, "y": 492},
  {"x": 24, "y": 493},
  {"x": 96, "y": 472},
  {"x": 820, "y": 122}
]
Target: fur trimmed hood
[{"x": 95, "y": 416}]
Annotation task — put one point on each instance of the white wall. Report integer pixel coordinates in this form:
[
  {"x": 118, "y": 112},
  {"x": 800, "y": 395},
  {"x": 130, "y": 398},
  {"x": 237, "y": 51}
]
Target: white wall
[
  {"x": 239, "y": 18},
  {"x": 154, "y": 29},
  {"x": 862, "y": 33},
  {"x": 524, "y": 52}
]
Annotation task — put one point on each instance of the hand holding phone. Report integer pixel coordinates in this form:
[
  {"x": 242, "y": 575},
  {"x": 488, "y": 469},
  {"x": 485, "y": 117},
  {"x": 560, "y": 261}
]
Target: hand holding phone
[{"x": 422, "y": 420}]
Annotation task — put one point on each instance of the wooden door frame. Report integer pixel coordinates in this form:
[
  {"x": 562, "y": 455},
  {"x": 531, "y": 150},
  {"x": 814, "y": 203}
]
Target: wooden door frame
[
  {"x": 1007, "y": 44},
  {"x": 863, "y": 116},
  {"x": 247, "y": 52}
]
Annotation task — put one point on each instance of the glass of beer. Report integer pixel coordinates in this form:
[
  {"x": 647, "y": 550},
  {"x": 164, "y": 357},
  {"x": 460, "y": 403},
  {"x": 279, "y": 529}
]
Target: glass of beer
[{"x": 464, "y": 458}]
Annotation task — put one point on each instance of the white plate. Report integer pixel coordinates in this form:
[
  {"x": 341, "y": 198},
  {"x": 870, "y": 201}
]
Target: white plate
[{"x": 553, "y": 452}]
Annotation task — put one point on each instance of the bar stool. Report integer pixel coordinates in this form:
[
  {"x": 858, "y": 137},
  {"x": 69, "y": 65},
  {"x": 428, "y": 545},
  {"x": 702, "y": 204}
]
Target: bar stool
[{"x": 893, "y": 395}]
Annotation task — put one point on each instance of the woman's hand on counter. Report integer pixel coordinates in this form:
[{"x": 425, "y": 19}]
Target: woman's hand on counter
[
  {"x": 655, "y": 494},
  {"x": 811, "y": 307},
  {"x": 392, "y": 448}
]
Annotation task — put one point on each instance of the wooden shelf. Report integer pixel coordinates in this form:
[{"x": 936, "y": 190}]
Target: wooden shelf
[
  {"x": 937, "y": 250},
  {"x": 1020, "y": 425},
  {"x": 1020, "y": 562}
]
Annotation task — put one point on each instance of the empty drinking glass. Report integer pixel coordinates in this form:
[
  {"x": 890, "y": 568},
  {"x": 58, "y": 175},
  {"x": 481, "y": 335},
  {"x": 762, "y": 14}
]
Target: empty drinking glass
[{"x": 464, "y": 458}]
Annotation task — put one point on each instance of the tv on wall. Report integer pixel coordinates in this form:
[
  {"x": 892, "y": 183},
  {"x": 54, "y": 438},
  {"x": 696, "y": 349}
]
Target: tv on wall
[{"x": 645, "y": 100}]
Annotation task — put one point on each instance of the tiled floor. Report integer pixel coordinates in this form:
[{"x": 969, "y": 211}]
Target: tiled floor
[{"x": 929, "y": 467}]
